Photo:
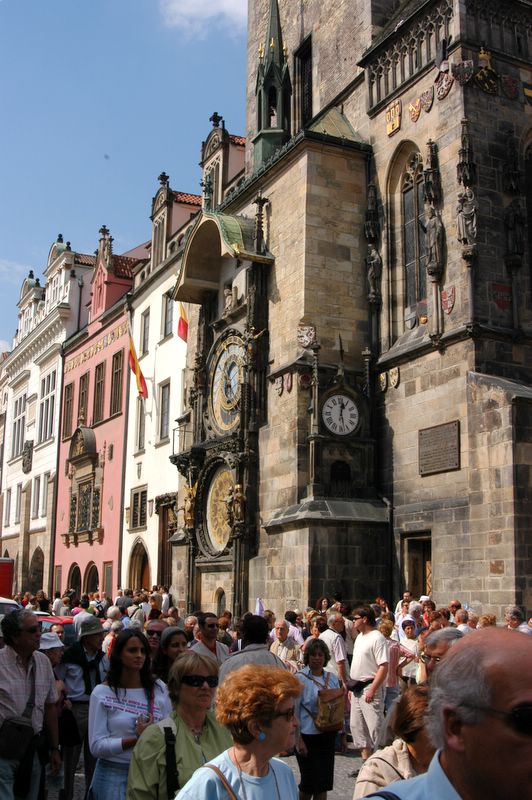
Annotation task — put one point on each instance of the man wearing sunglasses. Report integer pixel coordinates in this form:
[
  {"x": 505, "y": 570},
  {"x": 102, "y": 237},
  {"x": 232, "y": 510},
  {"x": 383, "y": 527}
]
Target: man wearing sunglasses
[
  {"x": 27, "y": 689},
  {"x": 480, "y": 721},
  {"x": 208, "y": 644}
]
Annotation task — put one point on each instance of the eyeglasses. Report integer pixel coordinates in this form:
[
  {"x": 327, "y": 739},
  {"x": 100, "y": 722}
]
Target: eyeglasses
[
  {"x": 355, "y": 618},
  {"x": 288, "y": 714},
  {"x": 198, "y": 680},
  {"x": 425, "y": 658},
  {"x": 154, "y": 633},
  {"x": 518, "y": 718}
]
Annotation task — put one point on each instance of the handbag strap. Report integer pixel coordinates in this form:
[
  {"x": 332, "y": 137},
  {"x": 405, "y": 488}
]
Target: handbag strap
[
  {"x": 172, "y": 773},
  {"x": 317, "y": 683},
  {"x": 223, "y": 779},
  {"x": 384, "y": 796},
  {"x": 28, "y": 711}
]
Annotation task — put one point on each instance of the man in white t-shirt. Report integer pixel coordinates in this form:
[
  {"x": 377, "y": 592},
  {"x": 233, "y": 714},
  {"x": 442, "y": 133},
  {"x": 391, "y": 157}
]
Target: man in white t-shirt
[
  {"x": 369, "y": 670},
  {"x": 335, "y": 642}
]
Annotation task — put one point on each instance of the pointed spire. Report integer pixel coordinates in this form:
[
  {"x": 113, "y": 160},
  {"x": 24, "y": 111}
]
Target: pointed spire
[{"x": 274, "y": 50}]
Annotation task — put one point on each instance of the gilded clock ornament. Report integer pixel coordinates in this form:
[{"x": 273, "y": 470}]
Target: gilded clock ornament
[
  {"x": 340, "y": 414},
  {"x": 226, "y": 382},
  {"x": 219, "y": 508}
]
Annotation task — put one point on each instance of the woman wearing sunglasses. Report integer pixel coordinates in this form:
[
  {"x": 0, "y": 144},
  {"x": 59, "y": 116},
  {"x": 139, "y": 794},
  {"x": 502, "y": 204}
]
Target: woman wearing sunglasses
[
  {"x": 120, "y": 710},
  {"x": 257, "y": 705},
  {"x": 193, "y": 735}
]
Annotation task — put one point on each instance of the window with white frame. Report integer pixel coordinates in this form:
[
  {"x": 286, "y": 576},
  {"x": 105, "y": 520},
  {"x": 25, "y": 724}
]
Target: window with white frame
[
  {"x": 164, "y": 411},
  {"x": 47, "y": 407},
  {"x": 145, "y": 332},
  {"x": 168, "y": 315},
  {"x": 140, "y": 437},
  {"x": 36, "y": 497},
  {"x": 19, "y": 425},
  {"x": 139, "y": 502},
  {"x": 7, "y": 507},
  {"x": 44, "y": 503},
  {"x": 18, "y": 503}
]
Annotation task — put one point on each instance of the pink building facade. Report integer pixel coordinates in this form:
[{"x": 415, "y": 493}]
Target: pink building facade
[{"x": 93, "y": 434}]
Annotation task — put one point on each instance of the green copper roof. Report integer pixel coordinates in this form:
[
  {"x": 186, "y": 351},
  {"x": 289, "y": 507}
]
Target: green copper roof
[
  {"x": 333, "y": 123},
  {"x": 238, "y": 235}
]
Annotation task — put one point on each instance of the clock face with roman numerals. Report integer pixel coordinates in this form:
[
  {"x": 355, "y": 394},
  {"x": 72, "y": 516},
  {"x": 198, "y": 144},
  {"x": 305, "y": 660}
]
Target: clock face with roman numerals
[{"x": 340, "y": 414}]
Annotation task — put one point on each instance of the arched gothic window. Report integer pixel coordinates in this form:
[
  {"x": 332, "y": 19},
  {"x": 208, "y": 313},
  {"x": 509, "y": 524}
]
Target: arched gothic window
[{"x": 413, "y": 224}]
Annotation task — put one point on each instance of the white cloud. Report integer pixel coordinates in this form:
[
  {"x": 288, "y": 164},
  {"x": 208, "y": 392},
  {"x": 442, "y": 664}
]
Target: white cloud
[
  {"x": 12, "y": 272},
  {"x": 196, "y": 17}
]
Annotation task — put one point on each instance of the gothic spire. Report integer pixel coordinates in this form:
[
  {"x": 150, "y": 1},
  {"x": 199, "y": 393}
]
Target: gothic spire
[{"x": 273, "y": 49}]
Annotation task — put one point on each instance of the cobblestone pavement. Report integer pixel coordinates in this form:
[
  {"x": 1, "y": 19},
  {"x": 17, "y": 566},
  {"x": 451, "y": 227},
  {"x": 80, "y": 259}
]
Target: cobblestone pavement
[{"x": 344, "y": 765}]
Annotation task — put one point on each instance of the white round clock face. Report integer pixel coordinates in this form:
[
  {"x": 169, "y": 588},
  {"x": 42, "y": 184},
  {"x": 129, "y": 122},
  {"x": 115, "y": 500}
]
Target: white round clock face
[{"x": 340, "y": 414}]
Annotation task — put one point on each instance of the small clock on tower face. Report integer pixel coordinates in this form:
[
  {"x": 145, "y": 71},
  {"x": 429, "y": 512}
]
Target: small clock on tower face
[
  {"x": 340, "y": 414},
  {"x": 227, "y": 370}
]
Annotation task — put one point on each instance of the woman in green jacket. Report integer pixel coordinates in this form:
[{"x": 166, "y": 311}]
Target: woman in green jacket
[{"x": 198, "y": 736}]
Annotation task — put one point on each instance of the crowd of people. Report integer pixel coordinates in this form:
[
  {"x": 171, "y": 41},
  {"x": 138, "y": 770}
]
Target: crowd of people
[{"x": 164, "y": 706}]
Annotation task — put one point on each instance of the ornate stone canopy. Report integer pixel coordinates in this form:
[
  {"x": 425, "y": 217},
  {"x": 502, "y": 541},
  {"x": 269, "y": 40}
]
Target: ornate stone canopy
[{"x": 213, "y": 238}]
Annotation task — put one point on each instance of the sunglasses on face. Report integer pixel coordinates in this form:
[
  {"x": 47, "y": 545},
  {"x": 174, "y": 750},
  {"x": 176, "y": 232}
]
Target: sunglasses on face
[
  {"x": 154, "y": 633},
  {"x": 426, "y": 659},
  {"x": 288, "y": 715},
  {"x": 211, "y": 625},
  {"x": 519, "y": 719},
  {"x": 198, "y": 680}
]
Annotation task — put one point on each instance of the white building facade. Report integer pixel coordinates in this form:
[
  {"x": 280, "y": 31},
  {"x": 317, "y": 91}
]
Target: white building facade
[
  {"x": 47, "y": 315},
  {"x": 151, "y": 483}
]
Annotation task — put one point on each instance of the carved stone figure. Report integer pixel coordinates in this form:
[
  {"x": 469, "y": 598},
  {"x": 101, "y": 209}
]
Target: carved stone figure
[
  {"x": 371, "y": 223},
  {"x": 434, "y": 240},
  {"x": 466, "y": 217},
  {"x": 431, "y": 174},
  {"x": 514, "y": 225},
  {"x": 229, "y": 507},
  {"x": 228, "y": 299},
  {"x": 189, "y": 506},
  {"x": 239, "y": 504},
  {"x": 374, "y": 271}
]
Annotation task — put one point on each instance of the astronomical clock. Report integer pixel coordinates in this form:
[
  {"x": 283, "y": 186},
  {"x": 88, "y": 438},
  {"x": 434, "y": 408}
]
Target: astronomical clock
[{"x": 226, "y": 256}]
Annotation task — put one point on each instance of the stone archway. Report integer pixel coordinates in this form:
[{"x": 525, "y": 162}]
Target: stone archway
[
  {"x": 92, "y": 579},
  {"x": 74, "y": 580},
  {"x": 36, "y": 571},
  {"x": 139, "y": 567}
]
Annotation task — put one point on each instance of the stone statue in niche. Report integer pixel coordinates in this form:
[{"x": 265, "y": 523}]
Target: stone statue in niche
[
  {"x": 431, "y": 174},
  {"x": 466, "y": 217},
  {"x": 514, "y": 224},
  {"x": 230, "y": 299},
  {"x": 239, "y": 504},
  {"x": 374, "y": 272},
  {"x": 371, "y": 223},
  {"x": 434, "y": 242},
  {"x": 188, "y": 506},
  {"x": 230, "y": 507}
]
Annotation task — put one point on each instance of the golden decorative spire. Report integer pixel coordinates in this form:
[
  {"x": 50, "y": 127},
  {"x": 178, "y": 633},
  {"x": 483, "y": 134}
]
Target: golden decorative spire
[
  {"x": 272, "y": 44},
  {"x": 261, "y": 51}
]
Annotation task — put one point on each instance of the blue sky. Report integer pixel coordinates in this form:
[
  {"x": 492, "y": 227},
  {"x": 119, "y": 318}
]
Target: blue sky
[{"x": 97, "y": 97}]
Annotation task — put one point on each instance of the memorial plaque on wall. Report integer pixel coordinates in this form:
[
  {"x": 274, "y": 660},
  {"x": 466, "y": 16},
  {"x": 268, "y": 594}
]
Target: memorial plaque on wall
[{"x": 439, "y": 448}]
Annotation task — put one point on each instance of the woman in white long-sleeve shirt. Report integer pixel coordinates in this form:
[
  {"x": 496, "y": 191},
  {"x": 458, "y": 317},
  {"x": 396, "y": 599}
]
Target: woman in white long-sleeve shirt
[{"x": 120, "y": 709}]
